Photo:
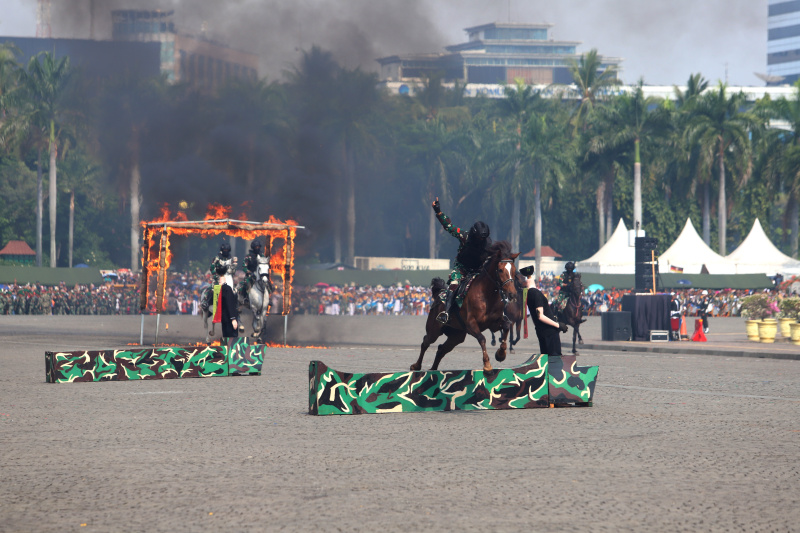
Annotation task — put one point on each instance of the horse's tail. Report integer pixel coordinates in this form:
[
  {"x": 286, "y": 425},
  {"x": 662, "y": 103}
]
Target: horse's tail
[{"x": 437, "y": 286}]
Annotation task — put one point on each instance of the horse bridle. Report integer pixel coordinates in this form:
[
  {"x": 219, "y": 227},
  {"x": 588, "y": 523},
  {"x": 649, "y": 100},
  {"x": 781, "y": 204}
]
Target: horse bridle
[{"x": 504, "y": 297}]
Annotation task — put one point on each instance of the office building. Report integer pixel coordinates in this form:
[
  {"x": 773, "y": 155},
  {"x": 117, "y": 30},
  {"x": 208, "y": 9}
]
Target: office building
[
  {"x": 494, "y": 53},
  {"x": 783, "y": 42}
]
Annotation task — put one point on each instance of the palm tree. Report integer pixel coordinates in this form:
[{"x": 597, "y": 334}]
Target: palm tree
[
  {"x": 46, "y": 81},
  {"x": 780, "y": 151},
  {"x": 519, "y": 102},
  {"x": 357, "y": 98},
  {"x": 632, "y": 121},
  {"x": 719, "y": 126},
  {"x": 80, "y": 173},
  {"x": 128, "y": 107},
  {"x": 531, "y": 161},
  {"x": 591, "y": 79}
]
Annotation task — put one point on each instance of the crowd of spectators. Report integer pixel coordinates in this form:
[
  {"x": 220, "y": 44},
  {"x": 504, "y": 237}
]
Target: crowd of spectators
[{"x": 120, "y": 295}]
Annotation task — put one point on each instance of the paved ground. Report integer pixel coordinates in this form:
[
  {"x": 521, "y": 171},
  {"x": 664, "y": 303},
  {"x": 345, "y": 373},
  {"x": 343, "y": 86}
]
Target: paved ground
[{"x": 674, "y": 442}]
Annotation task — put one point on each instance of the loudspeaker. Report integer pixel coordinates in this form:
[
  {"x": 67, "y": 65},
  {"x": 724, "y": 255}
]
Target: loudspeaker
[
  {"x": 646, "y": 262},
  {"x": 615, "y": 326}
]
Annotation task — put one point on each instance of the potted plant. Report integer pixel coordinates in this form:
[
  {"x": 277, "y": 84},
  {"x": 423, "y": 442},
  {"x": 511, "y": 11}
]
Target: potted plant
[
  {"x": 760, "y": 309},
  {"x": 790, "y": 311}
]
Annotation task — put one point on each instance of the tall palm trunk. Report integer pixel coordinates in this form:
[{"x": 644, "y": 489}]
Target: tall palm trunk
[
  {"x": 637, "y": 187},
  {"x": 53, "y": 194},
  {"x": 794, "y": 223},
  {"x": 609, "y": 194},
  {"x": 39, "y": 208},
  {"x": 537, "y": 227},
  {"x": 136, "y": 199},
  {"x": 351, "y": 205},
  {"x": 707, "y": 213},
  {"x": 515, "y": 223},
  {"x": 723, "y": 211},
  {"x": 337, "y": 222},
  {"x": 601, "y": 214},
  {"x": 71, "y": 225}
]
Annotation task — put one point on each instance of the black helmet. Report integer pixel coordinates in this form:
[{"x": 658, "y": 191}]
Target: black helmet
[
  {"x": 570, "y": 266},
  {"x": 480, "y": 230},
  {"x": 225, "y": 250},
  {"x": 255, "y": 246}
]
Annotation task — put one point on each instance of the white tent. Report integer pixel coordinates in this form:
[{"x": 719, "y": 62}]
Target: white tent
[
  {"x": 757, "y": 255},
  {"x": 689, "y": 253},
  {"x": 615, "y": 257}
]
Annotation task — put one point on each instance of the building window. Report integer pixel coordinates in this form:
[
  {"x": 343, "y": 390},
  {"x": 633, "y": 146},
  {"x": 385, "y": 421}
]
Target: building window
[{"x": 518, "y": 34}]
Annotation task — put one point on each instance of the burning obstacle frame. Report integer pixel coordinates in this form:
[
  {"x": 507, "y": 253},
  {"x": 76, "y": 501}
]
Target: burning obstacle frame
[
  {"x": 157, "y": 257},
  {"x": 541, "y": 381}
]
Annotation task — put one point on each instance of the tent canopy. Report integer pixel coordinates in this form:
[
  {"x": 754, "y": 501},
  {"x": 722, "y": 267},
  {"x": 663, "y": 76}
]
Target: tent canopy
[
  {"x": 757, "y": 255},
  {"x": 690, "y": 253},
  {"x": 615, "y": 257}
]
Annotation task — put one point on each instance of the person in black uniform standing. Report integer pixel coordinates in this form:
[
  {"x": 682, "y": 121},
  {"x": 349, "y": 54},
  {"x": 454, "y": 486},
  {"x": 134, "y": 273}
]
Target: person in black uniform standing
[
  {"x": 229, "y": 314},
  {"x": 544, "y": 320}
]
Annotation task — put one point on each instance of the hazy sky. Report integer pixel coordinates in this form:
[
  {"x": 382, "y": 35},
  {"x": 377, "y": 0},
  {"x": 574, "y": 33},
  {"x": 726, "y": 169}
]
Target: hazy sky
[{"x": 663, "y": 42}]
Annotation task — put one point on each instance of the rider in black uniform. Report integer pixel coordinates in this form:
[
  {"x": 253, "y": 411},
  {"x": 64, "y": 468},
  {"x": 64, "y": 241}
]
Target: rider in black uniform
[{"x": 471, "y": 255}]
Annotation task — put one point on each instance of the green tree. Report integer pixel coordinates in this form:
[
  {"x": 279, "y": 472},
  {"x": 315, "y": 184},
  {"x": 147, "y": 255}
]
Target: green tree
[
  {"x": 46, "y": 82},
  {"x": 719, "y": 126},
  {"x": 592, "y": 79},
  {"x": 632, "y": 119}
]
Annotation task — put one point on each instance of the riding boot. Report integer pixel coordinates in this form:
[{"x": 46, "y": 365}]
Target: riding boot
[{"x": 444, "y": 316}]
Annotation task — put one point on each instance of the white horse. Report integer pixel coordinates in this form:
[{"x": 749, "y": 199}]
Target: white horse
[{"x": 259, "y": 295}]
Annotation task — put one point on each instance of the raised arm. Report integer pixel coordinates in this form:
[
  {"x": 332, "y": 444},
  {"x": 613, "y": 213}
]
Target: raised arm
[{"x": 448, "y": 226}]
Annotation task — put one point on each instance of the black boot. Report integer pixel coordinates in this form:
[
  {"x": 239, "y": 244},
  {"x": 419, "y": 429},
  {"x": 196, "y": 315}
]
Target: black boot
[{"x": 444, "y": 316}]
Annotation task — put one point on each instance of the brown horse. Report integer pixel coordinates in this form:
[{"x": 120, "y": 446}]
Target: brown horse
[
  {"x": 483, "y": 308},
  {"x": 514, "y": 313},
  {"x": 572, "y": 313}
]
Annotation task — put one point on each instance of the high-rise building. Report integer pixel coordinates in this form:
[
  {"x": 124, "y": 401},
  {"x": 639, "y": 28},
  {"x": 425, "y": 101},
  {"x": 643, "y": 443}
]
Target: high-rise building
[
  {"x": 783, "y": 42},
  {"x": 198, "y": 60},
  {"x": 494, "y": 53}
]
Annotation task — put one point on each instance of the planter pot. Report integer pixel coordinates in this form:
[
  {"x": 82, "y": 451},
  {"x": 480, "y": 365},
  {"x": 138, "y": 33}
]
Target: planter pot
[
  {"x": 767, "y": 329},
  {"x": 752, "y": 329},
  {"x": 785, "y": 323},
  {"x": 795, "y": 332}
]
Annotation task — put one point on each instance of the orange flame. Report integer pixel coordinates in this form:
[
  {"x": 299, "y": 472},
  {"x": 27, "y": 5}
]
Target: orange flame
[{"x": 157, "y": 256}]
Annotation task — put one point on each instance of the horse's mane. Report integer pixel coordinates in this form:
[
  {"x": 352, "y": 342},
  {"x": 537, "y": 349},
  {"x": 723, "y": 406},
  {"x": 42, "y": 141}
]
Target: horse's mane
[{"x": 499, "y": 250}]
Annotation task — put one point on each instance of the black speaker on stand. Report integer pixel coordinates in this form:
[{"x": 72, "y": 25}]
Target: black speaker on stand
[{"x": 646, "y": 270}]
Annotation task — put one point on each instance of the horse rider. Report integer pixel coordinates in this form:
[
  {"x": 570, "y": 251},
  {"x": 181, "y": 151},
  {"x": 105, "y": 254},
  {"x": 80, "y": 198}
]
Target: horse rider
[
  {"x": 565, "y": 288},
  {"x": 251, "y": 261},
  {"x": 222, "y": 267},
  {"x": 472, "y": 252},
  {"x": 545, "y": 320}
]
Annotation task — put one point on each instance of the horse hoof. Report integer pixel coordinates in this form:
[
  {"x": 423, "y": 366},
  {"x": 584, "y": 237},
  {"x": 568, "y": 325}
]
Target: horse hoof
[
  {"x": 500, "y": 356},
  {"x": 414, "y": 368},
  {"x": 494, "y": 342},
  {"x": 487, "y": 368}
]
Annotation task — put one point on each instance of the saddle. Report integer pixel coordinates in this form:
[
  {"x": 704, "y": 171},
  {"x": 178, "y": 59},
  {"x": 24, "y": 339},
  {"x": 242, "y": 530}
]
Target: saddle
[{"x": 463, "y": 287}]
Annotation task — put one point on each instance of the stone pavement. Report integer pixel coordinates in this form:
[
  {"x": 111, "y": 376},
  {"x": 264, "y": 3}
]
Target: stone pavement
[{"x": 674, "y": 442}]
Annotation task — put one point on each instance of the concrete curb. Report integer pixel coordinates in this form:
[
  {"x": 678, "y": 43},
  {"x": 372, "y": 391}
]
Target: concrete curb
[{"x": 645, "y": 347}]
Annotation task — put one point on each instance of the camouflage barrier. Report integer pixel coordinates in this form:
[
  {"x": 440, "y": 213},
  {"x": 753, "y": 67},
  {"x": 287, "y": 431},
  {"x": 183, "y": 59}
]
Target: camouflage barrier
[
  {"x": 243, "y": 357},
  {"x": 531, "y": 384}
]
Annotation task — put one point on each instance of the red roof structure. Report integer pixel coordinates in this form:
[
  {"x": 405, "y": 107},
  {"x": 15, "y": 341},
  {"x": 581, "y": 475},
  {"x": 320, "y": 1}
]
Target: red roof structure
[
  {"x": 546, "y": 252},
  {"x": 17, "y": 248}
]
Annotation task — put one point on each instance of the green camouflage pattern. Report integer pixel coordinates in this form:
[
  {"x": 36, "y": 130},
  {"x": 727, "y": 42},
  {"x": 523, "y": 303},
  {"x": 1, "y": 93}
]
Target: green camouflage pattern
[
  {"x": 245, "y": 356},
  {"x": 541, "y": 381},
  {"x": 332, "y": 392},
  {"x": 570, "y": 383},
  {"x": 169, "y": 362}
]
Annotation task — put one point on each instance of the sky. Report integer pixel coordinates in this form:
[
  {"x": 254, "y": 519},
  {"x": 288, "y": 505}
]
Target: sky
[{"x": 662, "y": 42}]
